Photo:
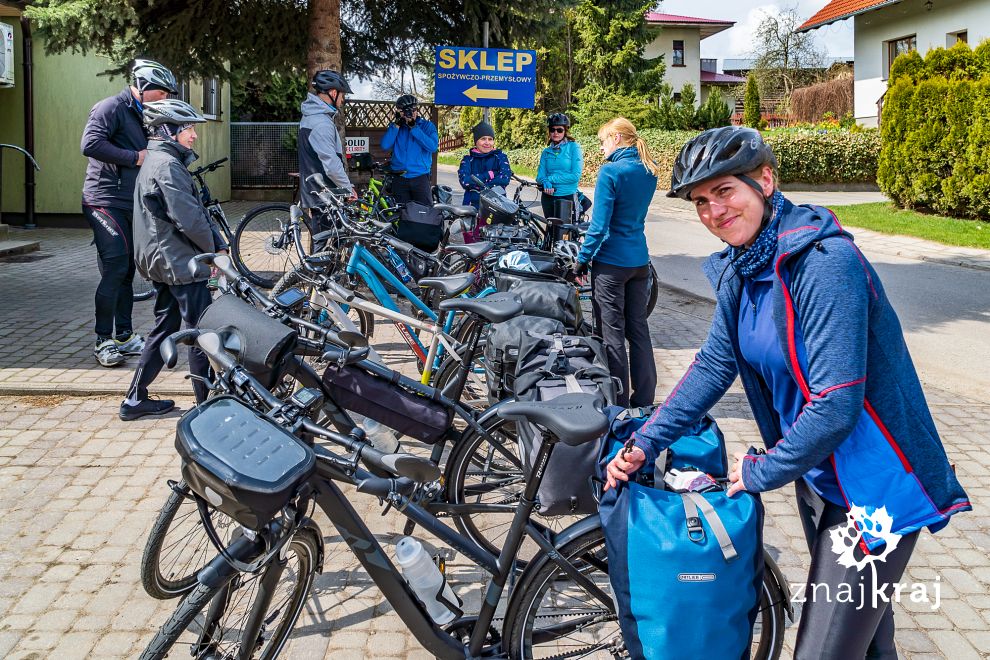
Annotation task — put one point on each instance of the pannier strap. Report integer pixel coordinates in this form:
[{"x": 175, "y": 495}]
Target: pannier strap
[
  {"x": 573, "y": 386},
  {"x": 692, "y": 502}
]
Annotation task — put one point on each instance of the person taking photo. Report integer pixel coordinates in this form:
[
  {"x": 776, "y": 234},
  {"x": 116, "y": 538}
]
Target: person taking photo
[{"x": 412, "y": 140}]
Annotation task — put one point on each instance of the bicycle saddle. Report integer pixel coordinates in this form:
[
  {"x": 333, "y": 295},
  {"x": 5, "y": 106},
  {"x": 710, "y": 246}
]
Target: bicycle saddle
[
  {"x": 494, "y": 308},
  {"x": 574, "y": 419},
  {"x": 448, "y": 285},
  {"x": 471, "y": 250},
  {"x": 458, "y": 211}
]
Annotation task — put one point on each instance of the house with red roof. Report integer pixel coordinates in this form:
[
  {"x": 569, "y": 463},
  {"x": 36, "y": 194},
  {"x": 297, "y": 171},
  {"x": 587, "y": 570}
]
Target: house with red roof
[
  {"x": 883, "y": 29},
  {"x": 679, "y": 41}
]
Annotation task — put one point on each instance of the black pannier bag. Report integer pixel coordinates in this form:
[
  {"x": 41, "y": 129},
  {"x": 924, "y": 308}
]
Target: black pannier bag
[
  {"x": 548, "y": 367},
  {"x": 420, "y": 225},
  {"x": 386, "y": 402},
  {"x": 265, "y": 343},
  {"x": 502, "y": 350},
  {"x": 243, "y": 464},
  {"x": 495, "y": 209},
  {"x": 555, "y": 300}
]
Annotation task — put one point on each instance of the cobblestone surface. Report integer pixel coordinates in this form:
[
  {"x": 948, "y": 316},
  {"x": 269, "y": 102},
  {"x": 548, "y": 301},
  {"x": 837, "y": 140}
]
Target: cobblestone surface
[{"x": 80, "y": 490}]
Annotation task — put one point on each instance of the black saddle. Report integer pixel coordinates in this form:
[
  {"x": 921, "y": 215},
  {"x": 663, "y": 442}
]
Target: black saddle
[
  {"x": 457, "y": 211},
  {"x": 574, "y": 419},
  {"x": 471, "y": 250},
  {"x": 448, "y": 285},
  {"x": 494, "y": 308}
]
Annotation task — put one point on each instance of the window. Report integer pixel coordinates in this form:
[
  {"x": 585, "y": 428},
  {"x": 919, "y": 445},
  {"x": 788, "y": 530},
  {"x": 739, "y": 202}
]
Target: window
[
  {"x": 183, "y": 93},
  {"x": 952, "y": 38},
  {"x": 678, "y": 53},
  {"x": 211, "y": 98},
  {"x": 899, "y": 47},
  {"x": 677, "y": 97}
]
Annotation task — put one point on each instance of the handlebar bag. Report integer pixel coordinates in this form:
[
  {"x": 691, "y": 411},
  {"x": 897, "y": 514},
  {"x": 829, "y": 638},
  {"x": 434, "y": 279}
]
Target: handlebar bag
[
  {"x": 686, "y": 569},
  {"x": 421, "y": 226},
  {"x": 240, "y": 462},
  {"x": 385, "y": 401},
  {"x": 266, "y": 344},
  {"x": 495, "y": 209}
]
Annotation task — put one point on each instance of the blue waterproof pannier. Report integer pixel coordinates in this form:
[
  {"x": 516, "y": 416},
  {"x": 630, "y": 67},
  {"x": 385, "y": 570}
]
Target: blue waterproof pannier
[{"x": 686, "y": 569}]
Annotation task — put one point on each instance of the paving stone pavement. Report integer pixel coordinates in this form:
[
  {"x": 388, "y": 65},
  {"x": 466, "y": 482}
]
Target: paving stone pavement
[{"x": 79, "y": 490}]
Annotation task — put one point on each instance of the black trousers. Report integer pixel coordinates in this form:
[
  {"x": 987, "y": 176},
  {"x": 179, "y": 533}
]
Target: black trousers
[
  {"x": 619, "y": 297},
  {"x": 174, "y": 304},
  {"x": 830, "y": 627},
  {"x": 416, "y": 189},
  {"x": 115, "y": 251}
]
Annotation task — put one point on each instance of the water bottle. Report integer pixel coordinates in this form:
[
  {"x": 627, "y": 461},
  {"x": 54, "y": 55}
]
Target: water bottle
[
  {"x": 425, "y": 578},
  {"x": 381, "y": 437},
  {"x": 400, "y": 266}
]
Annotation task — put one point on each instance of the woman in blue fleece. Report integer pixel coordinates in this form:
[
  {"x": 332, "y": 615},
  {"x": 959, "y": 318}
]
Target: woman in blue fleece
[
  {"x": 560, "y": 169},
  {"x": 615, "y": 249},
  {"x": 803, "y": 320}
]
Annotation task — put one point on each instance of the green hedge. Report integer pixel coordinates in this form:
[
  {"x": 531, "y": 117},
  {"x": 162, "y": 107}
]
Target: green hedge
[
  {"x": 805, "y": 155},
  {"x": 935, "y": 132}
]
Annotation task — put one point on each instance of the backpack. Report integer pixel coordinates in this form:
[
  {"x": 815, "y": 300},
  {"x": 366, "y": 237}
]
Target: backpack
[
  {"x": 548, "y": 367},
  {"x": 704, "y": 551}
]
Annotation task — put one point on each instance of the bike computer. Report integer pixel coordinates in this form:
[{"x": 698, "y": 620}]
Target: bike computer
[{"x": 290, "y": 297}]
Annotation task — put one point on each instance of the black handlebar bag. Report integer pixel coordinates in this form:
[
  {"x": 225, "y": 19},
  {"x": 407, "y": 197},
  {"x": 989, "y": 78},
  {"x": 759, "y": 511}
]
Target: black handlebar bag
[
  {"x": 264, "y": 345},
  {"x": 421, "y": 226}
]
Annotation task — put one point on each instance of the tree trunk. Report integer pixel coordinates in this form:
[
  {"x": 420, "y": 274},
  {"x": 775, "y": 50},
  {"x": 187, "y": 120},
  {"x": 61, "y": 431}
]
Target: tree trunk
[{"x": 324, "y": 36}]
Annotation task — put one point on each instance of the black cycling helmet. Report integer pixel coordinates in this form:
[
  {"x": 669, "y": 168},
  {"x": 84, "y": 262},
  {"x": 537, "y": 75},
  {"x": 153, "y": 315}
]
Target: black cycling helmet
[
  {"x": 329, "y": 79},
  {"x": 727, "y": 151},
  {"x": 148, "y": 73},
  {"x": 170, "y": 111},
  {"x": 406, "y": 101},
  {"x": 558, "y": 119}
]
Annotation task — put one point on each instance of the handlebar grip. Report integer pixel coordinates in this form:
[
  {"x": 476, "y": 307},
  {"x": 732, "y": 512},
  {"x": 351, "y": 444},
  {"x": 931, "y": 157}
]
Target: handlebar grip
[
  {"x": 295, "y": 213},
  {"x": 340, "y": 292},
  {"x": 221, "y": 161},
  {"x": 478, "y": 181},
  {"x": 225, "y": 265},
  {"x": 169, "y": 348},
  {"x": 318, "y": 179}
]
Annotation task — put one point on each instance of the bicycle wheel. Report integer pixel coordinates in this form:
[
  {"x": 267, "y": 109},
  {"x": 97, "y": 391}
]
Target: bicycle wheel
[
  {"x": 489, "y": 473},
  {"x": 219, "y": 633},
  {"x": 143, "y": 289},
  {"x": 554, "y": 616},
  {"x": 178, "y": 547},
  {"x": 263, "y": 248}
]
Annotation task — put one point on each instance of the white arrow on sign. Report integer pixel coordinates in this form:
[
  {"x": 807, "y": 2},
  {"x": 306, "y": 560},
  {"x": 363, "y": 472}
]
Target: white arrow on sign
[{"x": 474, "y": 93}]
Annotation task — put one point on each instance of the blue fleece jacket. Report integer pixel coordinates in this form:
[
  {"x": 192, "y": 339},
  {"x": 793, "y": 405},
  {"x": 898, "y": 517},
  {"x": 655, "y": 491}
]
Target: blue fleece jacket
[
  {"x": 560, "y": 168},
  {"x": 412, "y": 147},
  {"x": 864, "y": 408},
  {"x": 492, "y": 168},
  {"x": 623, "y": 192}
]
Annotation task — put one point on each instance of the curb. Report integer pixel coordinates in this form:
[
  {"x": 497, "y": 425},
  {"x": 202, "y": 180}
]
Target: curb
[{"x": 69, "y": 389}]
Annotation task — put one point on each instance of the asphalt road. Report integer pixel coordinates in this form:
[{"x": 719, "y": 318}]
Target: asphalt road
[{"x": 945, "y": 310}]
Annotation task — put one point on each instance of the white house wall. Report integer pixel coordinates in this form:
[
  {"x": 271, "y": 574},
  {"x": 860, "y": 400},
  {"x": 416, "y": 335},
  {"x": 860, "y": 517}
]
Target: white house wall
[
  {"x": 676, "y": 76},
  {"x": 875, "y": 28}
]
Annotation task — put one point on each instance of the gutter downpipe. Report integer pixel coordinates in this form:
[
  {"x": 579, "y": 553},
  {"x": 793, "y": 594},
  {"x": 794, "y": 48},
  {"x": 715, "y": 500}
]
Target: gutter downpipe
[{"x": 29, "y": 182}]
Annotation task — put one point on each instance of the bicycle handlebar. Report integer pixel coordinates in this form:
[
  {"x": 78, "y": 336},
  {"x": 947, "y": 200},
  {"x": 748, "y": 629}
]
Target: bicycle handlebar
[{"x": 212, "y": 167}]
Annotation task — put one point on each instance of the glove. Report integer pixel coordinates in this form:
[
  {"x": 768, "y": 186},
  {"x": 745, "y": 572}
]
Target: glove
[
  {"x": 399, "y": 119},
  {"x": 410, "y": 122},
  {"x": 580, "y": 268}
]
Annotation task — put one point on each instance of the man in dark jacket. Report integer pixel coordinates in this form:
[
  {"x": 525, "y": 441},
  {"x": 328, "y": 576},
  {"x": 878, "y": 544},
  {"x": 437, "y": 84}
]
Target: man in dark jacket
[
  {"x": 320, "y": 147},
  {"x": 412, "y": 141},
  {"x": 170, "y": 227},
  {"x": 115, "y": 143}
]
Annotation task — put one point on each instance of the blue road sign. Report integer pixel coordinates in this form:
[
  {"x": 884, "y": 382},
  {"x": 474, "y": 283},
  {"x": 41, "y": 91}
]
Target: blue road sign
[{"x": 485, "y": 76}]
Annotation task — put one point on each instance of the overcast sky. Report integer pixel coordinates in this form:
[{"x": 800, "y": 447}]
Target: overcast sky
[{"x": 737, "y": 41}]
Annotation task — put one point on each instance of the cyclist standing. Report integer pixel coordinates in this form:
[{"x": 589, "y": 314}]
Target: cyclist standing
[
  {"x": 412, "y": 140},
  {"x": 615, "y": 249},
  {"x": 114, "y": 141},
  {"x": 320, "y": 147},
  {"x": 484, "y": 161},
  {"x": 560, "y": 169},
  {"x": 171, "y": 226}
]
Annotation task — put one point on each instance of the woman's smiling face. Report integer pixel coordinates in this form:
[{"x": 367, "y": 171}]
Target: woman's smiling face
[{"x": 732, "y": 210}]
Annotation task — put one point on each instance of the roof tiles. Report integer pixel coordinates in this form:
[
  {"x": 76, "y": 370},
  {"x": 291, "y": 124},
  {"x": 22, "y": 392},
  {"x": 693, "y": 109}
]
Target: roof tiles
[{"x": 836, "y": 10}]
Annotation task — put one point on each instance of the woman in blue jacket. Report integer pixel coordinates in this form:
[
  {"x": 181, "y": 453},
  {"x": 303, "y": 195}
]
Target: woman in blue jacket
[
  {"x": 560, "y": 168},
  {"x": 484, "y": 161},
  {"x": 615, "y": 249},
  {"x": 803, "y": 320}
]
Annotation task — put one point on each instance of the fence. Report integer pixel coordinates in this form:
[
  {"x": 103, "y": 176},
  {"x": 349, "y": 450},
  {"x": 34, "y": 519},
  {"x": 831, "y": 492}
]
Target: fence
[
  {"x": 772, "y": 120},
  {"x": 451, "y": 143},
  {"x": 263, "y": 154}
]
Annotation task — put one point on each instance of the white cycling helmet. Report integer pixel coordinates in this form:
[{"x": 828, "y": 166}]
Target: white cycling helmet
[
  {"x": 567, "y": 250},
  {"x": 170, "y": 111},
  {"x": 147, "y": 73},
  {"x": 516, "y": 260}
]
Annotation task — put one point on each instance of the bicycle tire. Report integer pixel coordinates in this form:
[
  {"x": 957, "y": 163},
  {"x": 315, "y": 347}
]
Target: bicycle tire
[
  {"x": 303, "y": 545},
  {"x": 256, "y": 248},
  {"x": 589, "y": 549},
  {"x": 480, "y": 472},
  {"x": 142, "y": 289},
  {"x": 164, "y": 573}
]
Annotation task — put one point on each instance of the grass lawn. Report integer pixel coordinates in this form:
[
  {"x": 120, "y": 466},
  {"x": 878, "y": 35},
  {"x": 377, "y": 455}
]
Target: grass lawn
[
  {"x": 885, "y": 218},
  {"x": 516, "y": 169}
]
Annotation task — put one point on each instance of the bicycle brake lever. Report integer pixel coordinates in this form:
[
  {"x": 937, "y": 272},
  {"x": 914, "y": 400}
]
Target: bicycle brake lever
[{"x": 210, "y": 385}]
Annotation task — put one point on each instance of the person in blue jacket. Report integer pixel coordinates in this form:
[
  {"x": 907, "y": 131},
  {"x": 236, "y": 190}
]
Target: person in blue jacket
[
  {"x": 560, "y": 170},
  {"x": 412, "y": 140},
  {"x": 802, "y": 319},
  {"x": 484, "y": 161},
  {"x": 615, "y": 248}
]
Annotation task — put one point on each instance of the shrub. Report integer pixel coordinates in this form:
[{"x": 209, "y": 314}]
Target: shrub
[
  {"x": 935, "y": 132},
  {"x": 714, "y": 112},
  {"x": 812, "y": 103},
  {"x": 751, "y": 103}
]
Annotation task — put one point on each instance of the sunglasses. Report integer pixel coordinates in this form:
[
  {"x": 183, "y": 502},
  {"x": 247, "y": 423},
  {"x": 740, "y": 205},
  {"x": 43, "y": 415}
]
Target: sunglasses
[{"x": 558, "y": 129}]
